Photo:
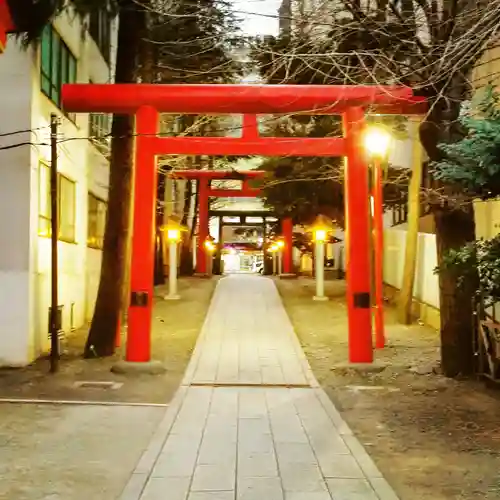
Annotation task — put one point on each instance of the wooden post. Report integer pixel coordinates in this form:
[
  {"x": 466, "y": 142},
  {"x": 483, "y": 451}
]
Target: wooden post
[
  {"x": 55, "y": 324},
  {"x": 406, "y": 293}
]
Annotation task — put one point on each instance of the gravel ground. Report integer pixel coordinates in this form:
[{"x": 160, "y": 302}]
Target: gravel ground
[
  {"x": 176, "y": 325},
  {"x": 88, "y": 451},
  {"x": 432, "y": 437}
]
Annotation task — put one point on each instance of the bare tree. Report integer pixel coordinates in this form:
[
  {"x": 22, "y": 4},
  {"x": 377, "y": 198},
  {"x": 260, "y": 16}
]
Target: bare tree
[{"x": 430, "y": 45}]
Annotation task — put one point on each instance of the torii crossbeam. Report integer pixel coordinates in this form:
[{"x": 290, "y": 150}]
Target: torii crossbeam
[{"x": 146, "y": 101}]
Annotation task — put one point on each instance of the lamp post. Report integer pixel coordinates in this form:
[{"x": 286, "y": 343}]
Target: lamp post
[
  {"x": 274, "y": 249},
  {"x": 210, "y": 248},
  {"x": 173, "y": 230},
  {"x": 173, "y": 237},
  {"x": 281, "y": 245},
  {"x": 320, "y": 236},
  {"x": 377, "y": 143}
]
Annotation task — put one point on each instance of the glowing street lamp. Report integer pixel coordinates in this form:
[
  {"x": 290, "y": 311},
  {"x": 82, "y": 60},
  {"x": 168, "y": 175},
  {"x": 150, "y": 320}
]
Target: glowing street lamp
[
  {"x": 210, "y": 248},
  {"x": 377, "y": 144},
  {"x": 274, "y": 248},
  {"x": 173, "y": 230},
  {"x": 320, "y": 235}
]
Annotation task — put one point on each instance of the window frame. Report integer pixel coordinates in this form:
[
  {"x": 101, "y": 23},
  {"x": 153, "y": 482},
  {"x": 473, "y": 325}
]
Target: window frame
[
  {"x": 99, "y": 28},
  {"x": 71, "y": 238},
  {"x": 53, "y": 75},
  {"x": 96, "y": 241},
  {"x": 100, "y": 131},
  {"x": 45, "y": 219}
]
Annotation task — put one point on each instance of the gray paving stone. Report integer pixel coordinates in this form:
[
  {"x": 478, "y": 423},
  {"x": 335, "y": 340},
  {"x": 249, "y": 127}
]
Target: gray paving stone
[
  {"x": 301, "y": 477},
  {"x": 178, "y": 464},
  {"x": 134, "y": 487},
  {"x": 212, "y": 495},
  {"x": 351, "y": 489},
  {"x": 325, "y": 438},
  {"x": 217, "y": 452},
  {"x": 295, "y": 453},
  {"x": 262, "y": 443},
  {"x": 222, "y": 432},
  {"x": 252, "y": 426},
  {"x": 339, "y": 466},
  {"x": 256, "y": 443},
  {"x": 309, "y": 495},
  {"x": 257, "y": 465},
  {"x": 172, "y": 488},
  {"x": 259, "y": 488},
  {"x": 210, "y": 477},
  {"x": 383, "y": 489},
  {"x": 365, "y": 462}
]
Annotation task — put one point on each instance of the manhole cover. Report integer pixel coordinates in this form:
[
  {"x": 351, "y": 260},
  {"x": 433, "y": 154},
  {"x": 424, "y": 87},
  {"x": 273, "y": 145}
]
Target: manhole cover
[{"x": 96, "y": 384}]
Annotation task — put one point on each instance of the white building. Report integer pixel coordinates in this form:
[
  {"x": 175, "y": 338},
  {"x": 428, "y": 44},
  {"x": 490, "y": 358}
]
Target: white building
[{"x": 70, "y": 51}]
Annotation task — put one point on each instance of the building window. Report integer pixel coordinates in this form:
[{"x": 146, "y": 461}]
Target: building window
[
  {"x": 44, "y": 200},
  {"x": 58, "y": 65},
  {"x": 67, "y": 209},
  {"x": 66, "y": 205},
  {"x": 100, "y": 131},
  {"x": 100, "y": 31},
  {"x": 96, "y": 222}
]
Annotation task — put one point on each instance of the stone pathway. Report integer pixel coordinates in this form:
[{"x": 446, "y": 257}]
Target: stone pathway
[{"x": 250, "y": 421}]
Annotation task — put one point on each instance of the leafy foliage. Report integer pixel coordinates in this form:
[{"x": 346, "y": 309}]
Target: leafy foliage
[
  {"x": 474, "y": 162},
  {"x": 194, "y": 42},
  {"x": 481, "y": 258},
  {"x": 30, "y": 16}
]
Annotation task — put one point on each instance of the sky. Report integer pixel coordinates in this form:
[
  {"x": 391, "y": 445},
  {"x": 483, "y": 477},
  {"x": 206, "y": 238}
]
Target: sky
[{"x": 252, "y": 22}]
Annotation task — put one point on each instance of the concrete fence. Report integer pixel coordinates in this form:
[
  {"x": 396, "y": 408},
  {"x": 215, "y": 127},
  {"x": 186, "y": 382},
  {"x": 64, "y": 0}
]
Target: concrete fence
[{"x": 426, "y": 287}]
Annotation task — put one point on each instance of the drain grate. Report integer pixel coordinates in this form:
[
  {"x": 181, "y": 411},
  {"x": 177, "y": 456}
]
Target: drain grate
[
  {"x": 97, "y": 384},
  {"x": 256, "y": 386}
]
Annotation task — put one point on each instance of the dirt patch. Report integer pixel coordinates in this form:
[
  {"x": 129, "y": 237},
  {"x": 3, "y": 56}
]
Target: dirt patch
[
  {"x": 176, "y": 325},
  {"x": 433, "y": 438}
]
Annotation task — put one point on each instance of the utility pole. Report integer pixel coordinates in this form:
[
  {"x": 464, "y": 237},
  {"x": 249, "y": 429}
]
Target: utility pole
[
  {"x": 406, "y": 294},
  {"x": 54, "y": 229}
]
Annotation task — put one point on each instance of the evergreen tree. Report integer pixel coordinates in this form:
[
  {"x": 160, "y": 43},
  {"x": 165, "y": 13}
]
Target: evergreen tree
[
  {"x": 473, "y": 163},
  {"x": 194, "y": 43}
]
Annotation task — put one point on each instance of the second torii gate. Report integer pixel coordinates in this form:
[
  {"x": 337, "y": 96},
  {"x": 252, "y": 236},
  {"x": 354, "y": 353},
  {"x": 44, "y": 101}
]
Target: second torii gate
[
  {"x": 205, "y": 191},
  {"x": 146, "y": 101}
]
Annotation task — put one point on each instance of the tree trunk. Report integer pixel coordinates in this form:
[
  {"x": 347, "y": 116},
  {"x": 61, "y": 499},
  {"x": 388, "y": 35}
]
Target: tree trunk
[
  {"x": 102, "y": 334},
  {"x": 159, "y": 272},
  {"x": 405, "y": 298},
  {"x": 453, "y": 230},
  {"x": 455, "y": 227}
]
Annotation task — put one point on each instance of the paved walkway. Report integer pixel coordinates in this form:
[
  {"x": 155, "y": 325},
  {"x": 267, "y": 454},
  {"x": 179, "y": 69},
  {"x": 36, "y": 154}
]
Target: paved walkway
[{"x": 250, "y": 421}]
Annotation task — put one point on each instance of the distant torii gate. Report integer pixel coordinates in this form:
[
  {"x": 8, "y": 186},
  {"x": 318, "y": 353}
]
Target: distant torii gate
[
  {"x": 146, "y": 101},
  {"x": 205, "y": 191}
]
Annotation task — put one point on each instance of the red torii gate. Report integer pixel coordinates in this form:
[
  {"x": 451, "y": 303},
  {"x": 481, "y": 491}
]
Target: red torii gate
[
  {"x": 205, "y": 191},
  {"x": 6, "y": 23},
  {"x": 146, "y": 101}
]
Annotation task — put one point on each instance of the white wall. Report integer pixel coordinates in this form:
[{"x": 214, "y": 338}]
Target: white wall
[
  {"x": 24, "y": 256},
  {"x": 426, "y": 288},
  {"x": 17, "y": 182}
]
